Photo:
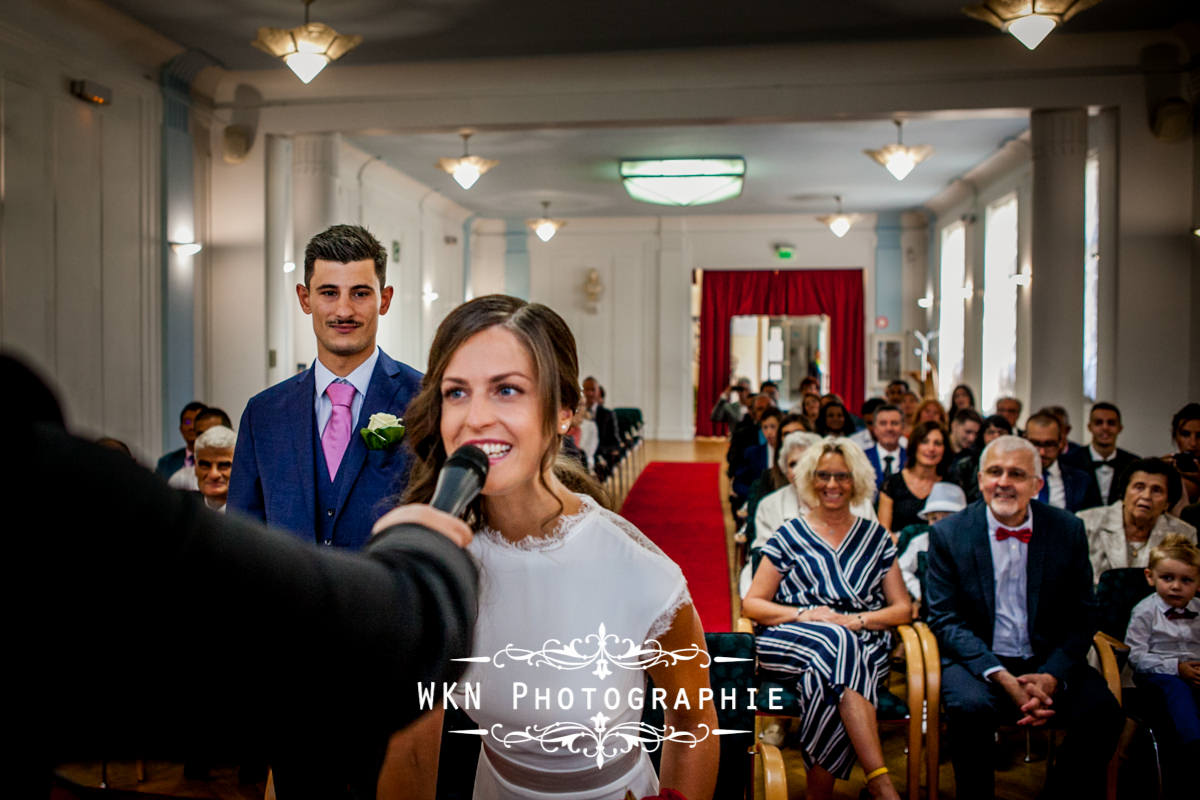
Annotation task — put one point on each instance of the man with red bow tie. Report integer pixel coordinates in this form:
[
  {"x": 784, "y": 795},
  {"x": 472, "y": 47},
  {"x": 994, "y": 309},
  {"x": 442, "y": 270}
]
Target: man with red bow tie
[{"x": 1009, "y": 587}]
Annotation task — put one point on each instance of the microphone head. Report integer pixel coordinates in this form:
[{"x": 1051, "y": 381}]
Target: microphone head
[{"x": 470, "y": 457}]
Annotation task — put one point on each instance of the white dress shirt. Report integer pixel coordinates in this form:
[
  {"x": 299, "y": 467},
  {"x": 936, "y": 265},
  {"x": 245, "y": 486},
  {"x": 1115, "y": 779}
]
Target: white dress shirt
[
  {"x": 1158, "y": 644},
  {"x": 1010, "y": 637},
  {"x": 360, "y": 379},
  {"x": 184, "y": 478},
  {"x": 1058, "y": 489},
  {"x": 1104, "y": 470}
]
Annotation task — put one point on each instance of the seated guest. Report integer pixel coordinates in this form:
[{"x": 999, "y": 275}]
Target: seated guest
[
  {"x": 1062, "y": 486},
  {"x": 609, "y": 446},
  {"x": 886, "y": 456},
  {"x": 965, "y": 471},
  {"x": 771, "y": 390},
  {"x": 930, "y": 410},
  {"x": 1123, "y": 534},
  {"x": 585, "y": 437},
  {"x": 834, "y": 420},
  {"x": 1009, "y": 597},
  {"x": 902, "y": 496},
  {"x": 1164, "y": 647},
  {"x": 810, "y": 385},
  {"x": 810, "y": 407},
  {"x": 169, "y": 464},
  {"x": 962, "y": 397},
  {"x": 945, "y": 499},
  {"x": 757, "y": 453},
  {"x": 895, "y": 391},
  {"x": 775, "y": 508},
  {"x": 1102, "y": 460},
  {"x": 774, "y": 477},
  {"x": 1185, "y": 430},
  {"x": 909, "y": 405},
  {"x": 865, "y": 437},
  {"x": 210, "y": 417},
  {"x": 964, "y": 430},
  {"x": 824, "y": 596},
  {"x": 214, "y": 462},
  {"x": 1064, "y": 421},
  {"x": 1010, "y": 408}
]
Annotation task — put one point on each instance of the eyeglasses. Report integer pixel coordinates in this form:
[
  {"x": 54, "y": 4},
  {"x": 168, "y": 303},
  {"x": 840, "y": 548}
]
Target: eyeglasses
[{"x": 822, "y": 476}]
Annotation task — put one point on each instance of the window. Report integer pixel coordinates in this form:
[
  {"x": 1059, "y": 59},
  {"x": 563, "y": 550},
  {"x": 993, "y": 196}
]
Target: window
[
  {"x": 1091, "y": 274},
  {"x": 999, "y": 357},
  {"x": 952, "y": 318}
]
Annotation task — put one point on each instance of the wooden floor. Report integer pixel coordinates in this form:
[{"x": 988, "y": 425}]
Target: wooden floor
[{"x": 1014, "y": 777}]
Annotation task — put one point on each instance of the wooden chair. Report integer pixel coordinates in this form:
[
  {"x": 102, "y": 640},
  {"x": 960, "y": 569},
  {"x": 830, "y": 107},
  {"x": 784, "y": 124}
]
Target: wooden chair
[{"x": 891, "y": 711}]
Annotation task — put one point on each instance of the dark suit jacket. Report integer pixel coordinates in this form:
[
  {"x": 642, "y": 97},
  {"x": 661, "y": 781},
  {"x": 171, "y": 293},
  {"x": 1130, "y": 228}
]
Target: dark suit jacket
[
  {"x": 960, "y": 588},
  {"x": 1076, "y": 486},
  {"x": 171, "y": 463},
  {"x": 876, "y": 461},
  {"x": 1080, "y": 458},
  {"x": 340, "y": 639},
  {"x": 606, "y": 428},
  {"x": 274, "y": 475}
]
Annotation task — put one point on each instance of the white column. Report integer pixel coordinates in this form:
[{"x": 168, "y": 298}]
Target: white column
[
  {"x": 674, "y": 418},
  {"x": 314, "y": 208},
  {"x": 278, "y": 249},
  {"x": 1056, "y": 304}
]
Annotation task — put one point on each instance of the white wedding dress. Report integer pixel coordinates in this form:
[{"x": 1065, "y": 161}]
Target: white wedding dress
[{"x": 546, "y": 607}]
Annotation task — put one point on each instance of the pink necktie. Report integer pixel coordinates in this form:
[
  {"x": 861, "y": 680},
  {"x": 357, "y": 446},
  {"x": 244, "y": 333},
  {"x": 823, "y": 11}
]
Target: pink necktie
[{"x": 337, "y": 430}]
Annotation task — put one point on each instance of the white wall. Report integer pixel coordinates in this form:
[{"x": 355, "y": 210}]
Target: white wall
[
  {"x": 80, "y": 252},
  {"x": 639, "y": 342},
  {"x": 424, "y": 226}
]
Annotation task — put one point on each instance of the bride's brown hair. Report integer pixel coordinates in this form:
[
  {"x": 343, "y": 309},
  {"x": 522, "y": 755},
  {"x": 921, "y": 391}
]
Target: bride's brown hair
[{"x": 550, "y": 345}]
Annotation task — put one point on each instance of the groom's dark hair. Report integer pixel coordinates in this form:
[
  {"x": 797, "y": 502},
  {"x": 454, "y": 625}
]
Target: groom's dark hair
[{"x": 344, "y": 244}]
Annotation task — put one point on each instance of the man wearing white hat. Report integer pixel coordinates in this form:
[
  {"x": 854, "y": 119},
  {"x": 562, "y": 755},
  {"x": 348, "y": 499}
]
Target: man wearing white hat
[{"x": 944, "y": 499}]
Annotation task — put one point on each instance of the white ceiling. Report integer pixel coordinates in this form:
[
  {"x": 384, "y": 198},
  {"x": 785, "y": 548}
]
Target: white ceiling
[{"x": 790, "y": 168}]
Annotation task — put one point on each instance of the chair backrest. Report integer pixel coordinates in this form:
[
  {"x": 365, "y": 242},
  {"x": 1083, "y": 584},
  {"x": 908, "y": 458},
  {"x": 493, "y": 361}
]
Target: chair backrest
[
  {"x": 736, "y": 678},
  {"x": 1118, "y": 591},
  {"x": 628, "y": 420}
]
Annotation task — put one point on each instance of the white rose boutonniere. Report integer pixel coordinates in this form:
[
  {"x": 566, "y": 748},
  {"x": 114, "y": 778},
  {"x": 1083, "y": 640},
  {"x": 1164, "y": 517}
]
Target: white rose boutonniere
[{"x": 382, "y": 431}]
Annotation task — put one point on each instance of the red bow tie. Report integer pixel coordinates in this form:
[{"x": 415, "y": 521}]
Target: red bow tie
[
  {"x": 1023, "y": 534},
  {"x": 1180, "y": 613}
]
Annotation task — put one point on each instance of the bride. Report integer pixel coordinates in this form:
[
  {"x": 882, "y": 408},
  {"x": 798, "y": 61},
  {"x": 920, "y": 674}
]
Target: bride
[{"x": 568, "y": 588}]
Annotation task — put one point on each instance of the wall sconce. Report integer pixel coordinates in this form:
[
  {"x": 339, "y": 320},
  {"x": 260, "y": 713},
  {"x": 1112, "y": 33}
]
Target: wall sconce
[
  {"x": 429, "y": 295},
  {"x": 186, "y": 248},
  {"x": 289, "y": 266},
  {"x": 926, "y": 301},
  {"x": 593, "y": 290},
  {"x": 1021, "y": 279}
]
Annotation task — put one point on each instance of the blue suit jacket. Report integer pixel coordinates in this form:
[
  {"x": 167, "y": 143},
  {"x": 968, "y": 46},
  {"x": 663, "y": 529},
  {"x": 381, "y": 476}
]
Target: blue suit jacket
[
  {"x": 873, "y": 456},
  {"x": 274, "y": 466},
  {"x": 960, "y": 588},
  {"x": 171, "y": 463}
]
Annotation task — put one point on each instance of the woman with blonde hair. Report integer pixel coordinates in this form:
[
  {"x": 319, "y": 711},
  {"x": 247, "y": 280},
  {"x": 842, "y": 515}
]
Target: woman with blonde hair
[
  {"x": 824, "y": 596},
  {"x": 555, "y": 566}
]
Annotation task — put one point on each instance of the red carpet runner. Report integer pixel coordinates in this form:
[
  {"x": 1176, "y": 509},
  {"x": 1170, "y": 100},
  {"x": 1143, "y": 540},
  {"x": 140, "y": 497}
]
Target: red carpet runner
[{"x": 678, "y": 506}]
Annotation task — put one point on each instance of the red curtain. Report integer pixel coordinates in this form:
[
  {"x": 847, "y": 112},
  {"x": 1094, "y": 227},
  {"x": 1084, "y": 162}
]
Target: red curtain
[{"x": 728, "y": 293}]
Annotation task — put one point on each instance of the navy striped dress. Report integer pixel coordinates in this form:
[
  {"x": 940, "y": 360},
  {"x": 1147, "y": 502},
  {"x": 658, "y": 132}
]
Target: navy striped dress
[{"x": 827, "y": 658}]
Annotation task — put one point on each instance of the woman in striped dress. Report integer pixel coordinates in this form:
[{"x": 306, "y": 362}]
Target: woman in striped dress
[{"x": 824, "y": 597}]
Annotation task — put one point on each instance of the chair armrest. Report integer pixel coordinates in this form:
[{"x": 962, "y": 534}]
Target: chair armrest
[
  {"x": 914, "y": 677},
  {"x": 933, "y": 707},
  {"x": 774, "y": 774},
  {"x": 1105, "y": 646},
  {"x": 744, "y": 625}
]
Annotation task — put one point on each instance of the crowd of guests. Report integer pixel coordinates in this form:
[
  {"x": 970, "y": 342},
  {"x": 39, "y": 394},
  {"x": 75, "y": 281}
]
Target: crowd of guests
[{"x": 994, "y": 534}]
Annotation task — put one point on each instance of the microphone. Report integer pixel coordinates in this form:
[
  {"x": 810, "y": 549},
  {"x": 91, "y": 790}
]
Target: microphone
[{"x": 460, "y": 480}]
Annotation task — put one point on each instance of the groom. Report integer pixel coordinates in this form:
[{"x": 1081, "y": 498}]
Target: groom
[{"x": 300, "y": 462}]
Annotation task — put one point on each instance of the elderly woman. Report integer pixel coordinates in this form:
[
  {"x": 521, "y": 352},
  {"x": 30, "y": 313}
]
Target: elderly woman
[
  {"x": 784, "y": 503},
  {"x": 1124, "y": 533},
  {"x": 824, "y": 596}
]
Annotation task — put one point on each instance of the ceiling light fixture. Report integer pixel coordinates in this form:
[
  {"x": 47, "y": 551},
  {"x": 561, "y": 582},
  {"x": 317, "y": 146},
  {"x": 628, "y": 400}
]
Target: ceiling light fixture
[
  {"x": 840, "y": 222},
  {"x": 1030, "y": 21},
  {"x": 899, "y": 158},
  {"x": 683, "y": 181},
  {"x": 306, "y": 49},
  {"x": 544, "y": 227},
  {"x": 466, "y": 169},
  {"x": 187, "y": 248}
]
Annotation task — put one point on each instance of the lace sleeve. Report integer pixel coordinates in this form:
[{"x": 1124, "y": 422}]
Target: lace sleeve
[{"x": 679, "y": 598}]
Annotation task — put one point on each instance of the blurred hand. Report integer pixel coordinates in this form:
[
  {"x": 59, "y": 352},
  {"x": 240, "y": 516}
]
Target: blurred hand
[
  {"x": 1190, "y": 672},
  {"x": 452, "y": 528},
  {"x": 821, "y": 614}
]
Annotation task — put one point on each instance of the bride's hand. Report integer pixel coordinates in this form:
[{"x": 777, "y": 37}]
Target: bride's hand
[{"x": 452, "y": 528}]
